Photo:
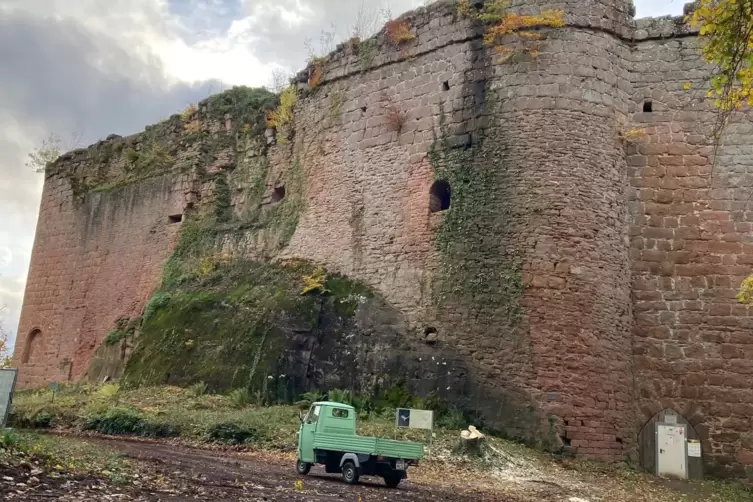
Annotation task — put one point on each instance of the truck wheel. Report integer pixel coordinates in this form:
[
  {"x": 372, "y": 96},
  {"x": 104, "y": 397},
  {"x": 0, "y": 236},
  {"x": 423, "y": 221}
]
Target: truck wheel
[
  {"x": 350, "y": 473},
  {"x": 393, "y": 479},
  {"x": 302, "y": 467}
]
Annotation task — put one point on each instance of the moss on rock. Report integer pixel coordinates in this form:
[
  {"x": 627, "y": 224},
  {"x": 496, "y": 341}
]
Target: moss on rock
[{"x": 245, "y": 324}]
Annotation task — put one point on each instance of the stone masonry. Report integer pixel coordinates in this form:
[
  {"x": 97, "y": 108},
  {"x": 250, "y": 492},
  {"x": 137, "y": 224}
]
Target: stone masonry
[{"x": 599, "y": 189}]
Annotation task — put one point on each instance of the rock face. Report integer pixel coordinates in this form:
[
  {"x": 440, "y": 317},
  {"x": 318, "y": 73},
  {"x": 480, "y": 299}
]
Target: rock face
[{"x": 546, "y": 226}]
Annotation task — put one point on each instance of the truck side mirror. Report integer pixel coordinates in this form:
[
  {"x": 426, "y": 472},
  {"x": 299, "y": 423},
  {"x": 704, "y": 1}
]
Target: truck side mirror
[{"x": 300, "y": 415}]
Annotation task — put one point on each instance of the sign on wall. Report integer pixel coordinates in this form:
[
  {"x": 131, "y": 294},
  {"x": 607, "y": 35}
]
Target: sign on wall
[
  {"x": 415, "y": 419},
  {"x": 7, "y": 386},
  {"x": 694, "y": 448}
]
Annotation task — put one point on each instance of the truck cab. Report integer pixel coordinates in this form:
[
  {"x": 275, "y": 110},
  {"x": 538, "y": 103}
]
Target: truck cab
[{"x": 327, "y": 436}]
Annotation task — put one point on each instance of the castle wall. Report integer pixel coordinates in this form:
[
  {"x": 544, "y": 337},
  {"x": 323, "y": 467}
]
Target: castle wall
[
  {"x": 691, "y": 247},
  {"x": 367, "y": 215},
  {"x": 557, "y": 133},
  {"x": 92, "y": 265},
  {"x": 584, "y": 278}
]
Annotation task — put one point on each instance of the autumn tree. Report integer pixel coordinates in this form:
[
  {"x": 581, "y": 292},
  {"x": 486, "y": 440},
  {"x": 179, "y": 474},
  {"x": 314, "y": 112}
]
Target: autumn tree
[{"x": 726, "y": 29}]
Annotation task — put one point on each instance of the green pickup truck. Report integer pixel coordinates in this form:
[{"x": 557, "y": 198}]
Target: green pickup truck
[{"x": 328, "y": 436}]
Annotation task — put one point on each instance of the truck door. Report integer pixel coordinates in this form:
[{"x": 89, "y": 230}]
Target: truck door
[{"x": 306, "y": 439}]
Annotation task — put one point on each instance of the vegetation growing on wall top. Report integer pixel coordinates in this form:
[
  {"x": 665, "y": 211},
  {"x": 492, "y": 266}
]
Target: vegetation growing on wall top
[
  {"x": 246, "y": 106},
  {"x": 281, "y": 118},
  {"x": 501, "y": 23},
  {"x": 399, "y": 32}
]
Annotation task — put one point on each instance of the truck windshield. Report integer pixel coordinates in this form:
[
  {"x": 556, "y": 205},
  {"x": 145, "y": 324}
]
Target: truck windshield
[{"x": 313, "y": 415}]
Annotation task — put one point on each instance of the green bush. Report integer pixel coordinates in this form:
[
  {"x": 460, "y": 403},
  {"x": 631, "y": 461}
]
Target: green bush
[
  {"x": 36, "y": 418},
  {"x": 341, "y": 396},
  {"x": 240, "y": 398},
  {"x": 115, "y": 336},
  {"x": 397, "y": 397},
  {"x": 42, "y": 420},
  {"x": 453, "y": 419},
  {"x": 9, "y": 439},
  {"x": 115, "y": 421},
  {"x": 231, "y": 433},
  {"x": 309, "y": 398},
  {"x": 158, "y": 301},
  {"x": 158, "y": 429},
  {"x": 196, "y": 390},
  {"x": 128, "y": 421}
]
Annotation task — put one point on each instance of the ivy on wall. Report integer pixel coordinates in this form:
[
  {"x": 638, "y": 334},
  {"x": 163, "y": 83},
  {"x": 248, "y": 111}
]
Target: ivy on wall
[{"x": 475, "y": 269}]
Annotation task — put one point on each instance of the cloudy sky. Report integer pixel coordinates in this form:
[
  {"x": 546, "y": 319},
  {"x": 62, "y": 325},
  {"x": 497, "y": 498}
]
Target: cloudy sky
[{"x": 99, "y": 67}]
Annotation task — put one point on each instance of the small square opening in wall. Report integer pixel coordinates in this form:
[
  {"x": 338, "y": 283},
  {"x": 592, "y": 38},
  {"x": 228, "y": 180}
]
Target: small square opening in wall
[
  {"x": 175, "y": 218},
  {"x": 648, "y": 106},
  {"x": 446, "y": 85}
]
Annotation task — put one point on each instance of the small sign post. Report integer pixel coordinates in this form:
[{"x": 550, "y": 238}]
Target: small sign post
[
  {"x": 406, "y": 418},
  {"x": 55, "y": 388},
  {"x": 7, "y": 387}
]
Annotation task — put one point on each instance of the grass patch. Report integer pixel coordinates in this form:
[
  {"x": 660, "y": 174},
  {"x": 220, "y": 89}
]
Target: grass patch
[
  {"x": 59, "y": 456},
  {"x": 166, "y": 411},
  {"x": 215, "y": 420}
]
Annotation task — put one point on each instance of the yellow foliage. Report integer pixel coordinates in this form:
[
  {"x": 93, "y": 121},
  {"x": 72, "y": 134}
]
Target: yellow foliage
[
  {"x": 726, "y": 28},
  {"x": 208, "y": 264},
  {"x": 632, "y": 135},
  {"x": 109, "y": 390},
  {"x": 299, "y": 485},
  {"x": 502, "y": 23},
  {"x": 399, "y": 32},
  {"x": 283, "y": 114},
  {"x": 192, "y": 127},
  {"x": 745, "y": 294},
  {"x": 316, "y": 282},
  {"x": 316, "y": 74},
  {"x": 189, "y": 112}
]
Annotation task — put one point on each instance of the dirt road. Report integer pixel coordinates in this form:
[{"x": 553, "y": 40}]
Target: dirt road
[{"x": 178, "y": 473}]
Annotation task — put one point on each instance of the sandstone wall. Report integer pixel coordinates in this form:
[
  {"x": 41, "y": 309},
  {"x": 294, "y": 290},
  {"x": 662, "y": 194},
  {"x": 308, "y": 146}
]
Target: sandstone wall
[
  {"x": 93, "y": 263},
  {"x": 557, "y": 134},
  {"x": 691, "y": 246},
  {"x": 551, "y": 211}
]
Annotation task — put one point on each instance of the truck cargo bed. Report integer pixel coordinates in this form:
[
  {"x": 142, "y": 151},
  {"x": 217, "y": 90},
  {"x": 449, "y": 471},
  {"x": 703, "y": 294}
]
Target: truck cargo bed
[{"x": 369, "y": 446}]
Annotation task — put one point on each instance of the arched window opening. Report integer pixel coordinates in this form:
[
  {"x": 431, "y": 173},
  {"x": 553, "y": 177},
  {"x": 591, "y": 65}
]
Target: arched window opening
[
  {"x": 278, "y": 194},
  {"x": 32, "y": 342},
  {"x": 440, "y": 196}
]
